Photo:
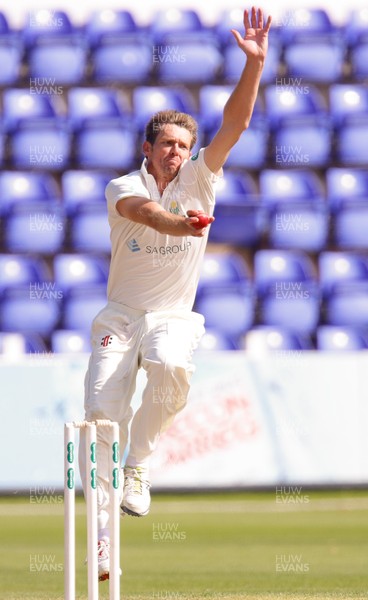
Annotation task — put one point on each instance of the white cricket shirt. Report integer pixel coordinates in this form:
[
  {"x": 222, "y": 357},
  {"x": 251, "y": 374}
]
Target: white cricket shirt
[{"x": 151, "y": 270}]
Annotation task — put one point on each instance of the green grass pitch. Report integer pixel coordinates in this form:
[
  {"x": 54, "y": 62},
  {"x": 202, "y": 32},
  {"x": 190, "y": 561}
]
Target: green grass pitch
[{"x": 219, "y": 546}]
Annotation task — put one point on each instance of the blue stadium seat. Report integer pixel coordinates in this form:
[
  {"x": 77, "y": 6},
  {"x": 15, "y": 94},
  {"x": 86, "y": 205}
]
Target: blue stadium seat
[
  {"x": 292, "y": 305},
  {"x": 348, "y": 305},
  {"x": 290, "y": 98},
  {"x": 301, "y": 23},
  {"x": 72, "y": 270},
  {"x": 11, "y": 55},
  {"x": 347, "y": 99},
  {"x": 351, "y": 142},
  {"x": 229, "y": 19},
  {"x": 14, "y": 345},
  {"x": 30, "y": 311},
  {"x": 265, "y": 339},
  {"x": 277, "y": 186},
  {"x": 70, "y": 342},
  {"x": 230, "y": 311},
  {"x": 81, "y": 305},
  {"x": 235, "y": 187},
  {"x": 88, "y": 103},
  {"x": 212, "y": 99},
  {"x": 356, "y": 27},
  {"x": 332, "y": 338},
  {"x": 121, "y": 62},
  {"x": 250, "y": 151},
  {"x": 317, "y": 61},
  {"x": 105, "y": 144},
  {"x": 337, "y": 268},
  {"x": 174, "y": 21},
  {"x": 35, "y": 227},
  {"x": 303, "y": 141},
  {"x": 195, "y": 62},
  {"x": 16, "y": 270},
  {"x": 106, "y": 23},
  {"x": 275, "y": 266},
  {"x": 216, "y": 340},
  {"x": 222, "y": 269},
  {"x": 239, "y": 223},
  {"x": 345, "y": 184},
  {"x": 22, "y": 104},
  {"x": 22, "y": 187},
  {"x": 89, "y": 229},
  {"x": 234, "y": 62},
  {"x": 40, "y": 144},
  {"x": 299, "y": 225},
  {"x": 359, "y": 61},
  {"x": 350, "y": 225},
  {"x": 150, "y": 100},
  {"x": 45, "y": 24},
  {"x": 57, "y": 62},
  {"x": 81, "y": 187}
]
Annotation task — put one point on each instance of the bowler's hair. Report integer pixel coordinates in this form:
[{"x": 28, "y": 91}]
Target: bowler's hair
[{"x": 170, "y": 117}]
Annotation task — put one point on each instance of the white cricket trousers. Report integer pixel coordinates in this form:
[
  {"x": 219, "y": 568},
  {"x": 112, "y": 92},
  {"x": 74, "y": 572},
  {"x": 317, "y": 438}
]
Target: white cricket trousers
[{"x": 124, "y": 340}]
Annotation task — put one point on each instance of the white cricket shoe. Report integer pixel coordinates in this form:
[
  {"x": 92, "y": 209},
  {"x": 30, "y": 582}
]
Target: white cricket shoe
[{"x": 136, "y": 499}]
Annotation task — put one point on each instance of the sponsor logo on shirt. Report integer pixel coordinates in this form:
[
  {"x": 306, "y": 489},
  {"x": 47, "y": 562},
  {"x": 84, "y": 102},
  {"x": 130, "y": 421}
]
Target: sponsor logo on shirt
[
  {"x": 166, "y": 250},
  {"x": 174, "y": 208},
  {"x": 133, "y": 245},
  {"x": 195, "y": 156}
]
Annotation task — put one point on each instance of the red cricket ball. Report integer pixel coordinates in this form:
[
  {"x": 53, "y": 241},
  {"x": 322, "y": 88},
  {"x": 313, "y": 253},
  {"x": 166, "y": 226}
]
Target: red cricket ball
[{"x": 203, "y": 221}]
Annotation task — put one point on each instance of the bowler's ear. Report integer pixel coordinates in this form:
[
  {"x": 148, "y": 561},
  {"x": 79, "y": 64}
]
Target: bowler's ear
[{"x": 147, "y": 148}]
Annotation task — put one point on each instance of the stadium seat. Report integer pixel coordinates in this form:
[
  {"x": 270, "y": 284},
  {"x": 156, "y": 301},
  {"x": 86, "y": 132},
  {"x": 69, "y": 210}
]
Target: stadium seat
[
  {"x": 85, "y": 104},
  {"x": 351, "y": 141},
  {"x": 72, "y": 270},
  {"x": 301, "y": 22},
  {"x": 56, "y": 62},
  {"x": 278, "y": 186},
  {"x": 195, "y": 62},
  {"x": 222, "y": 269},
  {"x": 172, "y": 22},
  {"x": 15, "y": 345},
  {"x": 347, "y": 99},
  {"x": 348, "y": 305},
  {"x": 21, "y": 187},
  {"x": 358, "y": 61},
  {"x": 265, "y": 339},
  {"x": 290, "y": 98},
  {"x": 336, "y": 339},
  {"x": 35, "y": 227},
  {"x": 292, "y": 305},
  {"x": 336, "y": 268},
  {"x": 11, "y": 55},
  {"x": 70, "y": 342},
  {"x": 81, "y": 305},
  {"x": 16, "y": 270},
  {"x": 105, "y": 144},
  {"x": 212, "y": 99},
  {"x": 47, "y": 24},
  {"x": 235, "y": 187},
  {"x": 303, "y": 141},
  {"x": 150, "y": 100},
  {"x": 22, "y": 104},
  {"x": 356, "y": 27},
  {"x": 345, "y": 184},
  {"x": 24, "y": 310},
  {"x": 122, "y": 61},
  {"x": 274, "y": 266},
  {"x": 106, "y": 23},
  {"x": 215, "y": 340},
  {"x": 299, "y": 225},
  {"x": 239, "y": 223},
  {"x": 250, "y": 151},
  {"x": 40, "y": 144},
  {"x": 89, "y": 229},
  {"x": 230, "y": 311},
  {"x": 350, "y": 225},
  {"x": 81, "y": 187}
]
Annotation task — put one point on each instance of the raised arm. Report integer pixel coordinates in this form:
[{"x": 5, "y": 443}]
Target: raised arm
[{"x": 239, "y": 107}]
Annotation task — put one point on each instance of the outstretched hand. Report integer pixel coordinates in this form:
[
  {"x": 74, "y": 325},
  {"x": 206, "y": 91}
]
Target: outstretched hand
[{"x": 255, "y": 41}]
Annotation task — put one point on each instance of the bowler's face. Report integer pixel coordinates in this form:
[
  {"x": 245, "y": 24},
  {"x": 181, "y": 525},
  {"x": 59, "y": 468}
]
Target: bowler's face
[{"x": 170, "y": 148}]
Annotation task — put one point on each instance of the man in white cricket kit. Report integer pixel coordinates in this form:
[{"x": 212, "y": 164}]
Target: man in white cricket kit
[{"x": 157, "y": 249}]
